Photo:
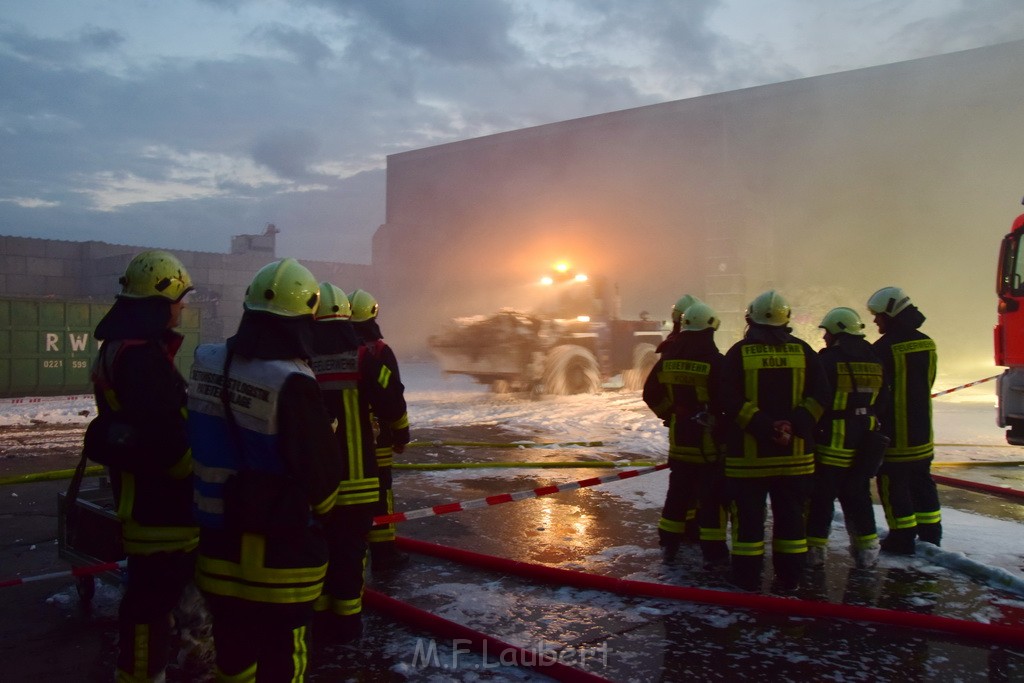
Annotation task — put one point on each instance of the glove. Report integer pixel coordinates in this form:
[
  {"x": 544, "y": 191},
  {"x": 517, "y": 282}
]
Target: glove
[{"x": 783, "y": 432}]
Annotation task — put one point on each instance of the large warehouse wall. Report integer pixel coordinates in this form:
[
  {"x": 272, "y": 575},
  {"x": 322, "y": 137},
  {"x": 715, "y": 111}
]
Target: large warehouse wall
[{"x": 826, "y": 188}]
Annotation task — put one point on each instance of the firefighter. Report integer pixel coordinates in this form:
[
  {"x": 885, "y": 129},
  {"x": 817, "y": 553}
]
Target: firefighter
[
  {"x": 351, "y": 391},
  {"x": 855, "y": 375},
  {"x": 267, "y": 472},
  {"x": 682, "y": 390},
  {"x": 140, "y": 435},
  {"x": 678, "y": 308},
  {"x": 773, "y": 392},
  {"x": 392, "y": 431},
  {"x": 905, "y": 486}
]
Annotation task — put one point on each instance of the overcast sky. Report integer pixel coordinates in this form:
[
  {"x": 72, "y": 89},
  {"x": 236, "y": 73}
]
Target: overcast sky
[{"x": 180, "y": 123}]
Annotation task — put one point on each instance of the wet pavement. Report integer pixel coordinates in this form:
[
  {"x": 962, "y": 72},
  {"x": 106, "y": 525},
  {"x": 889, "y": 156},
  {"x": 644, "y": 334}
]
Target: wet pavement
[{"x": 46, "y": 635}]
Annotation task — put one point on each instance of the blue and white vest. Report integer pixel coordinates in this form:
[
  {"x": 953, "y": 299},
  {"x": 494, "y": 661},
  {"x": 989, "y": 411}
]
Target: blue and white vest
[{"x": 255, "y": 389}]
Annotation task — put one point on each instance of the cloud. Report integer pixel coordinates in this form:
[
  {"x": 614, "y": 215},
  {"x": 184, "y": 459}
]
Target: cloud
[
  {"x": 283, "y": 111},
  {"x": 308, "y": 48},
  {"x": 455, "y": 31}
]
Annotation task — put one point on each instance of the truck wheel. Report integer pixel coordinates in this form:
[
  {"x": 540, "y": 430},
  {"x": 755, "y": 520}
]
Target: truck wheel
[
  {"x": 644, "y": 358},
  {"x": 570, "y": 369}
]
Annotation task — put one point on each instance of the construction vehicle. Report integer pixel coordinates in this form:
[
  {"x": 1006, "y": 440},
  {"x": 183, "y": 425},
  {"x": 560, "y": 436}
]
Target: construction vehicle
[
  {"x": 1009, "y": 334},
  {"x": 572, "y": 343}
]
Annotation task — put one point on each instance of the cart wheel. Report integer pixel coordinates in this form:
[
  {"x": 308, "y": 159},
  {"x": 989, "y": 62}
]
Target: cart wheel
[{"x": 86, "y": 587}]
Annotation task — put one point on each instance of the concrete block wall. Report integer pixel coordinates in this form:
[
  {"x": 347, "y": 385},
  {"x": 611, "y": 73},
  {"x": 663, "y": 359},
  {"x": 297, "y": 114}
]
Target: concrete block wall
[{"x": 36, "y": 268}]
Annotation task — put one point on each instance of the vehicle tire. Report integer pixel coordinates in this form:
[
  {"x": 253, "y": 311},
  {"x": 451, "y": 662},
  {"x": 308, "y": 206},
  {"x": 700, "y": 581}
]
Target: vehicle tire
[
  {"x": 501, "y": 386},
  {"x": 644, "y": 358},
  {"x": 570, "y": 369}
]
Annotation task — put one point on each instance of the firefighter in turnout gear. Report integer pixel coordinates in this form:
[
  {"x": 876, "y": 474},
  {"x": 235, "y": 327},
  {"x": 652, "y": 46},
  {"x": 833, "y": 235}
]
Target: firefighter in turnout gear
[
  {"x": 773, "y": 392},
  {"x": 841, "y": 468},
  {"x": 140, "y": 435},
  {"x": 682, "y": 390},
  {"x": 267, "y": 473},
  {"x": 678, "y": 308},
  {"x": 351, "y": 393},
  {"x": 392, "y": 430},
  {"x": 905, "y": 486}
]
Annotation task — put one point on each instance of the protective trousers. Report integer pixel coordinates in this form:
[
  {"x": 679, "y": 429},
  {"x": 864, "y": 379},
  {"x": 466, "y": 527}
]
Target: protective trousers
[
  {"x": 153, "y": 589},
  {"x": 346, "y": 530},
  {"x": 788, "y": 496},
  {"x": 260, "y": 641},
  {"x": 910, "y": 500},
  {"x": 695, "y": 487},
  {"x": 382, "y": 536},
  {"x": 854, "y": 493}
]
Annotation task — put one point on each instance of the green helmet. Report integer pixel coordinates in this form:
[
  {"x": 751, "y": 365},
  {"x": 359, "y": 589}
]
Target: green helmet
[
  {"x": 334, "y": 303},
  {"x": 888, "y": 301},
  {"x": 680, "y": 306},
  {"x": 364, "y": 306},
  {"x": 155, "y": 273},
  {"x": 699, "y": 316},
  {"x": 284, "y": 288},
  {"x": 842, "y": 319},
  {"x": 769, "y": 308}
]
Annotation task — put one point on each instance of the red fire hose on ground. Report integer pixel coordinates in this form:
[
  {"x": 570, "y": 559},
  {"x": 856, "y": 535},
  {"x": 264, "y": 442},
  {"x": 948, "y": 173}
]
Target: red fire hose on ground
[
  {"x": 495, "y": 652},
  {"x": 991, "y": 633}
]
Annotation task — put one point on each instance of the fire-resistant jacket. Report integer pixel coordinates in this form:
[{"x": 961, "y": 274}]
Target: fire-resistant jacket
[
  {"x": 266, "y": 471},
  {"x": 909, "y": 359},
  {"x": 859, "y": 390},
  {"x": 682, "y": 390},
  {"x": 767, "y": 376},
  {"x": 140, "y": 433},
  {"x": 381, "y": 368},
  {"x": 351, "y": 389}
]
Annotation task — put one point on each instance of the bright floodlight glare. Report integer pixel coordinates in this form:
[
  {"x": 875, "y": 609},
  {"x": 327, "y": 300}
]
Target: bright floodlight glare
[
  {"x": 547, "y": 280},
  {"x": 583, "y": 318},
  {"x": 580, "y": 277},
  {"x": 562, "y": 266}
]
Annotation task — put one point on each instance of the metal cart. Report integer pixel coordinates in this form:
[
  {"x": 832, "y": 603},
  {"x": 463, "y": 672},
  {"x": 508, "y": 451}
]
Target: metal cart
[{"x": 89, "y": 533}]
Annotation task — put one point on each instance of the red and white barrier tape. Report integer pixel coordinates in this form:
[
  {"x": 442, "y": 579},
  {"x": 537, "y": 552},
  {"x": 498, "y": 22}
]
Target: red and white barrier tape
[
  {"x": 964, "y": 386},
  {"x": 510, "y": 497},
  {"x": 87, "y": 570}
]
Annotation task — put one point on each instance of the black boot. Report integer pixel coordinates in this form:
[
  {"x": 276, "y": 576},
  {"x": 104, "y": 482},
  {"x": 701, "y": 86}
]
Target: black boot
[
  {"x": 716, "y": 554},
  {"x": 930, "y": 533},
  {"x": 746, "y": 572},
  {"x": 385, "y": 556},
  {"x": 899, "y": 542}
]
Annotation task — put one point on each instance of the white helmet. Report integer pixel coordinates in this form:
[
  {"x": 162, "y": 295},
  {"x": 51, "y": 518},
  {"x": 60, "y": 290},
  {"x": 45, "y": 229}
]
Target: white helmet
[
  {"x": 888, "y": 301},
  {"x": 699, "y": 316},
  {"x": 769, "y": 308},
  {"x": 843, "y": 319}
]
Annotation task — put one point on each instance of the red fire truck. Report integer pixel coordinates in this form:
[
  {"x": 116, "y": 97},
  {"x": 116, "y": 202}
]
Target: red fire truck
[{"x": 1009, "y": 334}]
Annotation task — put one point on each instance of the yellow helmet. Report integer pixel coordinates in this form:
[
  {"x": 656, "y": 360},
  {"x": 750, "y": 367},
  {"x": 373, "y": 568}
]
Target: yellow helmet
[
  {"x": 699, "y": 316},
  {"x": 364, "y": 306},
  {"x": 842, "y": 319},
  {"x": 769, "y": 308},
  {"x": 155, "y": 273},
  {"x": 284, "y": 288},
  {"x": 334, "y": 303},
  {"x": 680, "y": 306},
  {"x": 888, "y": 301}
]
